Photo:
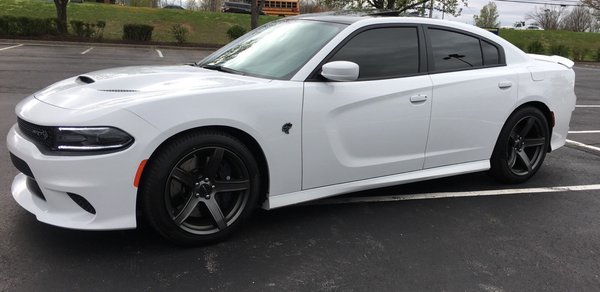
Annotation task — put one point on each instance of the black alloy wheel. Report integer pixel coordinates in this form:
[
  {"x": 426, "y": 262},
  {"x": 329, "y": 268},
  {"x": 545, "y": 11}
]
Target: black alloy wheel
[
  {"x": 200, "y": 187},
  {"x": 521, "y": 147},
  {"x": 207, "y": 190}
]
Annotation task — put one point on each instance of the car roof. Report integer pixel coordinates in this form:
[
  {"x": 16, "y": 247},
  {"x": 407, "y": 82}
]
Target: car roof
[{"x": 348, "y": 16}]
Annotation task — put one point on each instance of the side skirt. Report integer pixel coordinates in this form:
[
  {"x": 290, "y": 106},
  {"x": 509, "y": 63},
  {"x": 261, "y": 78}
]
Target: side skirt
[{"x": 372, "y": 183}]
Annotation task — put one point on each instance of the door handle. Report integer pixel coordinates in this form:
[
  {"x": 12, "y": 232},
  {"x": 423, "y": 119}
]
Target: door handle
[
  {"x": 504, "y": 84},
  {"x": 418, "y": 98}
]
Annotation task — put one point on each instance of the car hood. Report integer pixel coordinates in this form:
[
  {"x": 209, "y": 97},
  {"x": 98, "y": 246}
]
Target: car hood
[{"x": 118, "y": 85}]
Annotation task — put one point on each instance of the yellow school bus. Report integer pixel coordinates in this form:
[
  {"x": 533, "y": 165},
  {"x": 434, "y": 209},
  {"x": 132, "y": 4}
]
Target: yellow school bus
[{"x": 282, "y": 7}]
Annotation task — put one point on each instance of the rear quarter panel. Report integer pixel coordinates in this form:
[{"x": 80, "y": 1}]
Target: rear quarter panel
[{"x": 554, "y": 85}]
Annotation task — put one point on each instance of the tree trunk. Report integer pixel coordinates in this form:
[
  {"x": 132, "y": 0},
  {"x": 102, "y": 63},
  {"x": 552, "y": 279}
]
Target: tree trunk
[
  {"x": 391, "y": 4},
  {"x": 61, "y": 15},
  {"x": 256, "y": 8}
]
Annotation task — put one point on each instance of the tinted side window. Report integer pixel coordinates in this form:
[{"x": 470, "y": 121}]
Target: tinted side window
[
  {"x": 452, "y": 50},
  {"x": 491, "y": 56},
  {"x": 383, "y": 52}
]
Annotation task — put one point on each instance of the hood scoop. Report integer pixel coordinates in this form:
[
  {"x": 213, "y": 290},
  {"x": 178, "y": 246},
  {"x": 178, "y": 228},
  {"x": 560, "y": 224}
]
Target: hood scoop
[{"x": 85, "y": 79}]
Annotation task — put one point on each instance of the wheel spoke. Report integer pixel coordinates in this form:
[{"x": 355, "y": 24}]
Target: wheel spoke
[
  {"x": 512, "y": 159},
  {"x": 184, "y": 177},
  {"x": 190, "y": 206},
  {"x": 534, "y": 142},
  {"x": 216, "y": 213},
  {"x": 210, "y": 170},
  {"x": 525, "y": 159},
  {"x": 232, "y": 186},
  {"x": 527, "y": 127}
]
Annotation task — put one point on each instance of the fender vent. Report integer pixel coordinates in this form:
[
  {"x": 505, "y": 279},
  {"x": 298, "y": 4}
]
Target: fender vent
[{"x": 85, "y": 79}]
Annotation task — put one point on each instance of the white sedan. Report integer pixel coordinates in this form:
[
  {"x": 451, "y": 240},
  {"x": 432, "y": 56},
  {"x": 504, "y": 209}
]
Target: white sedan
[{"x": 299, "y": 109}]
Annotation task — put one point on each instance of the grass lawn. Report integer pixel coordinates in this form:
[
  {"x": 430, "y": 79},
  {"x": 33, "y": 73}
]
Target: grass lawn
[
  {"x": 580, "y": 40},
  {"x": 204, "y": 27}
]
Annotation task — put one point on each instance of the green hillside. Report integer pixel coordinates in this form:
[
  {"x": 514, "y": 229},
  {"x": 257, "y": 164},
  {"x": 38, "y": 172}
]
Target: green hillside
[
  {"x": 204, "y": 27},
  {"x": 210, "y": 27},
  {"x": 584, "y": 41}
]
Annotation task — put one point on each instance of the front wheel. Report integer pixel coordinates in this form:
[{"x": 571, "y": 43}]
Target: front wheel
[
  {"x": 521, "y": 146},
  {"x": 200, "y": 187}
]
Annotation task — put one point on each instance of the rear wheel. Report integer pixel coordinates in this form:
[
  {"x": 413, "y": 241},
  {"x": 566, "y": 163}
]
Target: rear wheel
[
  {"x": 200, "y": 187},
  {"x": 521, "y": 146}
]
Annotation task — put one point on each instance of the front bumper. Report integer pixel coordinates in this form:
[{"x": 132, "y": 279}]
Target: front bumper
[{"x": 93, "y": 192}]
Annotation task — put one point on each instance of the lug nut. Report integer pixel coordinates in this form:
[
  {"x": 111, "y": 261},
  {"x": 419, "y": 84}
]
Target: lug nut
[
  {"x": 207, "y": 197},
  {"x": 206, "y": 179}
]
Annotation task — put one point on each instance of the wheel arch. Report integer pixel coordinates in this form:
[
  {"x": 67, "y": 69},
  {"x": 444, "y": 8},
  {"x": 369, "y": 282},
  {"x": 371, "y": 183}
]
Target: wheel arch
[
  {"x": 545, "y": 110},
  {"x": 243, "y": 136}
]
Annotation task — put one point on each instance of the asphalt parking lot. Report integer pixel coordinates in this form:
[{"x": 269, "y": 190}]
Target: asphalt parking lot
[{"x": 478, "y": 236}]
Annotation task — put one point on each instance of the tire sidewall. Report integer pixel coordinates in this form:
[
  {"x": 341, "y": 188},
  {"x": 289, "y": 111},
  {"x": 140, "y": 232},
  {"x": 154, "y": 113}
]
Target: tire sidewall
[
  {"x": 159, "y": 168},
  {"x": 499, "y": 161}
]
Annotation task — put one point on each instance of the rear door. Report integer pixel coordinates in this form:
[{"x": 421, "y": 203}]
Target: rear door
[{"x": 473, "y": 93}]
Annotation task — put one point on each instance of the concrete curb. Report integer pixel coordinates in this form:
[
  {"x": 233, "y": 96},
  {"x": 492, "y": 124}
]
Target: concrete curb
[{"x": 95, "y": 44}]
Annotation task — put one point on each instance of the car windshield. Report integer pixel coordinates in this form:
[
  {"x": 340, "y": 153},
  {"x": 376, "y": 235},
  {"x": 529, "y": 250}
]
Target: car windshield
[{"x": 275, "y": 50}]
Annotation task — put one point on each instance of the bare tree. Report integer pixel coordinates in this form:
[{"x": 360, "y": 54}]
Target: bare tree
[
  {"x": 61, "y": 15},
  {"x": 488, "y": 16},
  {"x": 446, "y": 6},
  {"x": 257, "y": 6},
  {"x": 548, "y": 18},
  {"x": 192, "y": 5},
  {"x": 594, "y": 4},
  {"x": 579, "y": 19}
]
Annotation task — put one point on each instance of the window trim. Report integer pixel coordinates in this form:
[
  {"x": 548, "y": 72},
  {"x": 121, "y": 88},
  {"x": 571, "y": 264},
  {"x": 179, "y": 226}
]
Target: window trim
[
  {"x": 315, "y": 75},
  {"x": 431, "y": 65}
]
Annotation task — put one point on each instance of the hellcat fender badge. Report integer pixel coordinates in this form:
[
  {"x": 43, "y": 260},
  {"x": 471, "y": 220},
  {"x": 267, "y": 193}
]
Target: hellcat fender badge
[{"x": 286, "y": 128}]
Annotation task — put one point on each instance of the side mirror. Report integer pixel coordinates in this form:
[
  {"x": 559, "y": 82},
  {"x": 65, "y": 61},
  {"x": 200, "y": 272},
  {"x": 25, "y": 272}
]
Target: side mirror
[{"x": 340, "y": 71}]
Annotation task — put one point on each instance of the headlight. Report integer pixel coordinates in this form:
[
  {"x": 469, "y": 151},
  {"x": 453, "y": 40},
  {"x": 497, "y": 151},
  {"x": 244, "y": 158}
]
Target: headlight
[
  {"x": 90, "y": 139},
  {"x": 75, "y": 139}
]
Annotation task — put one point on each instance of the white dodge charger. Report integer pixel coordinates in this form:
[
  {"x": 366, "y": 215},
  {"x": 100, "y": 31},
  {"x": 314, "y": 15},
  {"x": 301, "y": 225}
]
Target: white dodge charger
[{"x": 299, "y": 109}]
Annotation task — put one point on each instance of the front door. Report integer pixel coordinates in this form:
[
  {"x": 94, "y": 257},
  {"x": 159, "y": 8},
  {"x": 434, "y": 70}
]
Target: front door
[{"x": 372, "y": 127}]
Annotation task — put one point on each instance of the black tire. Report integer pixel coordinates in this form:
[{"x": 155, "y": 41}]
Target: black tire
[
  {"x": 521, "y": 147},
  {"x": 200, "y": 187}
]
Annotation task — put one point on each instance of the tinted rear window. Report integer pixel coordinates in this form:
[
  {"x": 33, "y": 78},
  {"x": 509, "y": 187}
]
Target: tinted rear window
[{"x": 452, "y": 50}]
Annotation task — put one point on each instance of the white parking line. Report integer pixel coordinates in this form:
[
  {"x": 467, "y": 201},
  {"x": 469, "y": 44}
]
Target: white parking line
[
  {"x": 12, "y": 47},
  {"x": 159, "y": 53},
  {"x": 395, "y": 198},
  {"x": 588, "y": 105},
  {"x": 581, "y": 145},
  {"x": 86, "y": 51},
  {"x": 585, "y": 132}
]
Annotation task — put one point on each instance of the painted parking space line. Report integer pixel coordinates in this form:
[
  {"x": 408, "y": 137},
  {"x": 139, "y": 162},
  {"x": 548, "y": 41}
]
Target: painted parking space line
[
  {"x": 585, "y": 132},
  {"x": 581, "y": 145},
  {"x": 588, "y": 105},
  {"x": 11, "y": 47},
  {"x": 87, "y": 51},
  {"x": 159, "y": 53},
  {"x": 441, "y": 195}
]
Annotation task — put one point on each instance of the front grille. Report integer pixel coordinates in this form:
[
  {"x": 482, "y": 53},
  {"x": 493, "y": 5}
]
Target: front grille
[
  {"x": 33, "y": 187},
  {"x": 39, "y": 134},
  {"x": 21, "y": 165},
  {"x": 82, "y": 202}
]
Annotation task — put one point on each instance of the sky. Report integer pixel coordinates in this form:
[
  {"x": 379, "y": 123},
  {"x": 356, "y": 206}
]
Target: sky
[{"x": 509, "y": 12}]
